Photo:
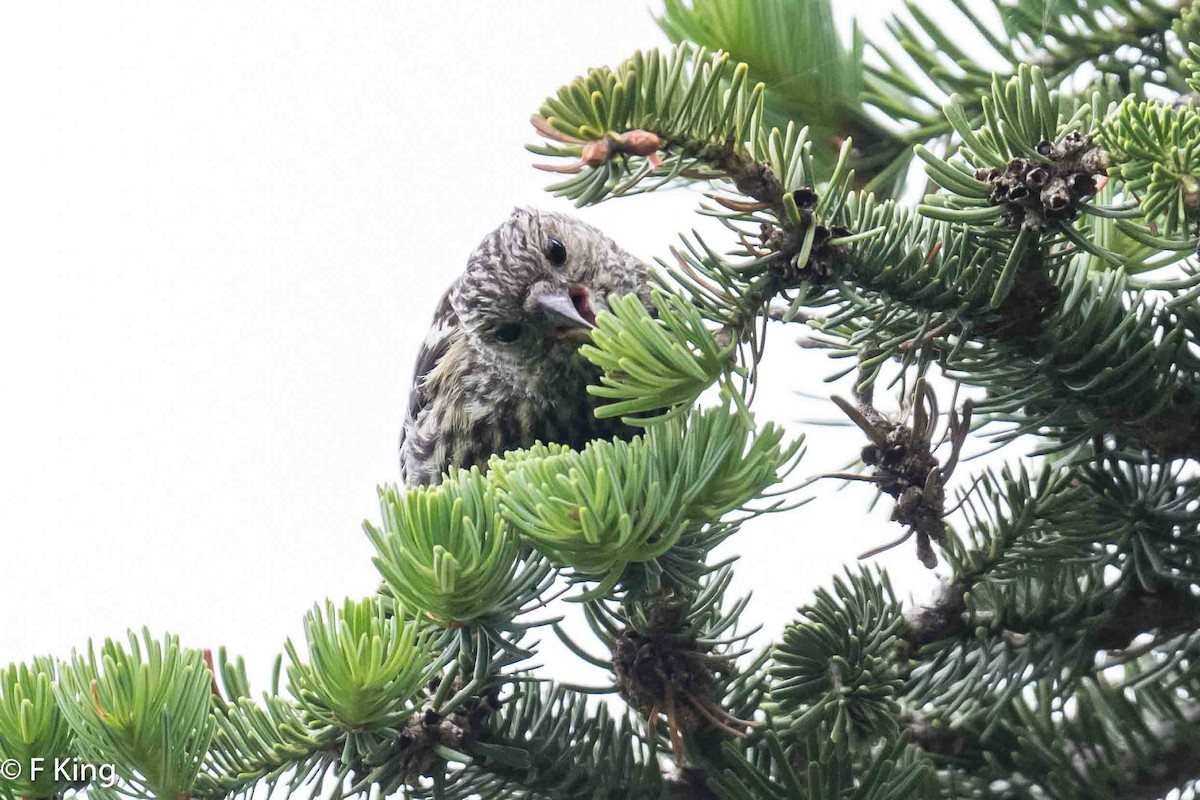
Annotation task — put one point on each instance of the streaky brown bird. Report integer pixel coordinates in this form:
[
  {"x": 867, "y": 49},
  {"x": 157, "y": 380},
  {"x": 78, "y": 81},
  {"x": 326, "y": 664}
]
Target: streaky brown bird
[{"x": 500, "y": 367}]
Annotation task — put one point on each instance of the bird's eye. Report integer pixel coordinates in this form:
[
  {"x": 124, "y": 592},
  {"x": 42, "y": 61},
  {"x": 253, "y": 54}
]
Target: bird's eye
[
  {"x": 508, "y": 333},
  {"x": 556, "y": 252}
]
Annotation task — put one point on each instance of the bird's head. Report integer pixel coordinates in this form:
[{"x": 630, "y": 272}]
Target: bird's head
[{"x": 534, "y": 285}]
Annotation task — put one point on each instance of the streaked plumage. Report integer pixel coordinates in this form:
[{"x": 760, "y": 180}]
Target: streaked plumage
[{"x": 500, "y": 367}]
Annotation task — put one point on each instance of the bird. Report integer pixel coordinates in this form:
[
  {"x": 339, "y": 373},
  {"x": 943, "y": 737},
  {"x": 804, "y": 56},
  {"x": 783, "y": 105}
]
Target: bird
[{"x": 500, "y": 368}]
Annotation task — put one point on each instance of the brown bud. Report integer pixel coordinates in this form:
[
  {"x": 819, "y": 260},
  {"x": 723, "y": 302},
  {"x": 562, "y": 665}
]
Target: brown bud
[
  {"x": 640, "y": 143},
  {"x": 1191, "y": 194},
  {"x": 596, "y": 153},
  {"x": 212, "y": 670}
]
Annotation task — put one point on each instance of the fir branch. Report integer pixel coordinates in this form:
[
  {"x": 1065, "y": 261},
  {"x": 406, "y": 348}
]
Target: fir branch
[
  {"x": 1059, "y": 323},
  {"x": 33, "y": 727},
  {"x": 1155, "y": 150},
  {"x": 989, "y": 315},
  {"x": 546, "y": 741},
  {"x": 1060, "y": 37},
  {"x": 1050, "y": 574},
  {"x": 654, "y": 363},
  {"x": 633, "y": 516},
  {"x": 447, "y": 551},
  {"x": 145, "y": 707},
  {"x": 264, "y": 745},
  {"x": 819, "y": 770},
  {"x": 836, "y": 667},
  {"x": 812, "y": 76},
  {"x": 1137, "y": 744}
]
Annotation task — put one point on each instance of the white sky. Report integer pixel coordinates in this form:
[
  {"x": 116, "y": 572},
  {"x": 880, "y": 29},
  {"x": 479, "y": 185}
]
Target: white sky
[{"x": 225, "y": 226}]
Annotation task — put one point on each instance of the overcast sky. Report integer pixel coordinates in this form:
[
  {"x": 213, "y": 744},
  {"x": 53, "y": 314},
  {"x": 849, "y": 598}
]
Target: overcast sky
[{"x": 225, "y": 227}]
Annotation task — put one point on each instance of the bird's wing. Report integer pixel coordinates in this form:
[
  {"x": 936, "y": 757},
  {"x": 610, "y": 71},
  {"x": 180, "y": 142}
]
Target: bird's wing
[{"x": 418, "y": 443}]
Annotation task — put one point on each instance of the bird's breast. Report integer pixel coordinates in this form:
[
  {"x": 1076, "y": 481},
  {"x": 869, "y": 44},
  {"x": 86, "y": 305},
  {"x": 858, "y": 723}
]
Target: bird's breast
[{"x": 512, "y": 412}]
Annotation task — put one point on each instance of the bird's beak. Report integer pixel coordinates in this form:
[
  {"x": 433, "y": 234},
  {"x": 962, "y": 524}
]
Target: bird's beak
[{"x": 569, "y": 313}]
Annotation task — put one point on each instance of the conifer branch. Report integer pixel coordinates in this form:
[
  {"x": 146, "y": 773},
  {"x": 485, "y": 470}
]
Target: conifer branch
[
  {"x": 1012, "y": 306},
  {"x": 1059, "y": 39}
]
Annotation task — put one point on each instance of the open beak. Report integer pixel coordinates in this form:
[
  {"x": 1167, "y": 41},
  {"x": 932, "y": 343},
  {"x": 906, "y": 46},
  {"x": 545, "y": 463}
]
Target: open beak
[{"x": 569, "y": 313}]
